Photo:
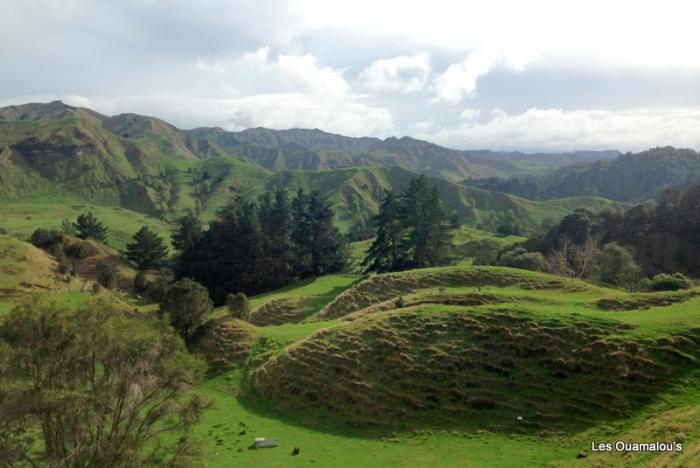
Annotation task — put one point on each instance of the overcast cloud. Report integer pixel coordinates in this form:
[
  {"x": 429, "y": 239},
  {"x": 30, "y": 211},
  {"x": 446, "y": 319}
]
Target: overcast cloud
[{"x": 531, "y": 76}]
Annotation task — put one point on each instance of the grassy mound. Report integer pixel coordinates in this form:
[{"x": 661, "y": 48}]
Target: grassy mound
[
  {"x": 24, "y": 268},
  {"x": 380, "y": 288},
  {"x": 456, "y": 367},
  {"x": 224, "y": 342},
  {"x": 282, "y": 310},
  {"x": 91, "y": 257}
]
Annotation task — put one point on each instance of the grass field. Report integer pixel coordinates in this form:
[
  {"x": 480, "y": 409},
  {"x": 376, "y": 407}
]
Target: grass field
[
  {"x": 354, "y": 377},
  {"x": 240, "y": 414},
  {"x": 21, "y": 218}
]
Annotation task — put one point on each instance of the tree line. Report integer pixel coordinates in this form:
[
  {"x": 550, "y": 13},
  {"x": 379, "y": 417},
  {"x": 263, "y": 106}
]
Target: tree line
[
  {"x": 259, "y": 246},
  {"x": 620, "y": 247}
]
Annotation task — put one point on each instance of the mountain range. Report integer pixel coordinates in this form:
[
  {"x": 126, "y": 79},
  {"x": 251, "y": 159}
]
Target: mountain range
[{"x": 147, "y": 165}]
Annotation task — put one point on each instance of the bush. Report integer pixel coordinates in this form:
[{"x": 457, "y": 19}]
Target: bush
[
  {"x": 616, "y": 266},
  {"x": 643, "y": 284},
  {"x": 106, "y": 275},
  {"x": 238, "y": 305},
  {"x": 666, "y": 282},
  {"x": 46, "y": 238},
  {"x": 521, "y": 258},
  {"x": 188, "y": 304},
  {"x": 81, "y": 250},
  {"x": 3, "y": 231},
  {"x": 400, "y": 303}
]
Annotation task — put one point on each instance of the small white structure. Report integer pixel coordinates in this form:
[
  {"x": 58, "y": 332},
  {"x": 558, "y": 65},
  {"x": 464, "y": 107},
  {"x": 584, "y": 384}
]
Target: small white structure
[
  {"x": 261, "y": 442},
  {"x": 520, "y": 418}
]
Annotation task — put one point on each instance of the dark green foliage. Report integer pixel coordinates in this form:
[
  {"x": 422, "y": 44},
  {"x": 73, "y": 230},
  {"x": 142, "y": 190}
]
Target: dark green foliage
[
  {"x": 521, "y": 258},
  {"x": 674, "y": 282},
  {"x": 98, "y": 388},
  {"x": 188, "y": 305},
  {"x": 662, "y": 237},
  {"x": 413, "y": 231},
  {"x": 188, "y": 232},
  {"x": 385, "y": 253},
  {"x": 616, "y": 266},
  {"x": 88, "y": 227},
  {"x": 238, "y": 305},
  {"x": 254, "y": 248},
  {"x": 67, "y": 227},
  {"x": 140, "y": 282},
  {"x": 46, "y": 238},
  {"x": 107, "y": 275},
  {"x": 510, "y": 225},
  {"x": 147, "y": 249},
  {"x": 327, "y": 247}
]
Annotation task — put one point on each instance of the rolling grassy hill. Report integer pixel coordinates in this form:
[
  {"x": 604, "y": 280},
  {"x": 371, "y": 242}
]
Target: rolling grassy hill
[
  {"x": 473, "y": 366},
  {"x": 444, "y": 377}
]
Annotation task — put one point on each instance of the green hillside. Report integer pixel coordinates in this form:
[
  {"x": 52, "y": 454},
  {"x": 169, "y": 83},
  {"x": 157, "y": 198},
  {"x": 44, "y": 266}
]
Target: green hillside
[
  {"x": 628, "y": 177},
  {"x": 356, "y": 192},
  {"x": 475, "y": 358}
]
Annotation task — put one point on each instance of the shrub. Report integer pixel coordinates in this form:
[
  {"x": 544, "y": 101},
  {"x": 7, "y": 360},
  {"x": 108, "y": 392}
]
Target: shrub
[
  {"x": 643, "y": 284},
  {"x": 616, "y": 266},
  {"x": 238, "y": 305},
  {"x": 106, "y": 275},
  {"x": 188, "y": 304},
  {"x": 400, "y": 303},
  {"x": 46, "y": 238},
  {"x": 521, "y": 258},
  {"x": 3, "y": 231},
  {"x": 666, "y": 282},
  {"x": 81, "y": 250}
]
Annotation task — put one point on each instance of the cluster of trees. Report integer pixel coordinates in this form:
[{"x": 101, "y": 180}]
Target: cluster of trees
[
  {"x": 620, "y": 247},
  {"x": 413, "y": 230},
  {"x": 255, "y": 247},
  {"x": 96, "y": 387}
]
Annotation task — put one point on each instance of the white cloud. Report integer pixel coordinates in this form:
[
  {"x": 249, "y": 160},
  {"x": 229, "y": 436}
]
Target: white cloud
[
  {"x": 404, "y": 74},
  {"x": 560, "y": 130},
  {"x": 460, "y": 79},
  {"x": 469, "y": 115},
  {"x": 595, "y": 33},
  {"x": 256, "y": 72}
]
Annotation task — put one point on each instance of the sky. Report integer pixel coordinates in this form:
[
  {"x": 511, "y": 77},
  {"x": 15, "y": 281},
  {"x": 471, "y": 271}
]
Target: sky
[{"x": 530, "y": 75}]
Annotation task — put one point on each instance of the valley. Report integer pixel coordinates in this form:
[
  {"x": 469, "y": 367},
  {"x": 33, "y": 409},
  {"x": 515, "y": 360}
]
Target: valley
[{"x": 484, "y": 333}]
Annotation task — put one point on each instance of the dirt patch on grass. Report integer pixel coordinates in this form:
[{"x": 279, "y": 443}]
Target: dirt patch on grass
[{"x": 473, "y": 370}]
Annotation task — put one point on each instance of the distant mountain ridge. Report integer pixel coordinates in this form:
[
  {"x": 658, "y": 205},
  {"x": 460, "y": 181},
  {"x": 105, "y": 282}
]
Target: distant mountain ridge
[
  {"x": 630, "y": 177},
  {"x": 143, "y": 164},
  {"x": 307, "y": 149}
]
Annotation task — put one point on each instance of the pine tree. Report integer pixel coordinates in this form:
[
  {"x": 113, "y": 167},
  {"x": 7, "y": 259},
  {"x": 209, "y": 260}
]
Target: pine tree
[
  {"x": 88, "y": 227},
  {"x": 189, "y": 230},
  {"x": 413, "y": 218},
  {"x": 301, "y": 235},
  {"x": 327, "y": 247},
  {"x": 147, "y": 249},
  {"x": 385, "y": 252},
  {"x": 275, "y": 219},
  {"x": 440, "y": 229}
]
